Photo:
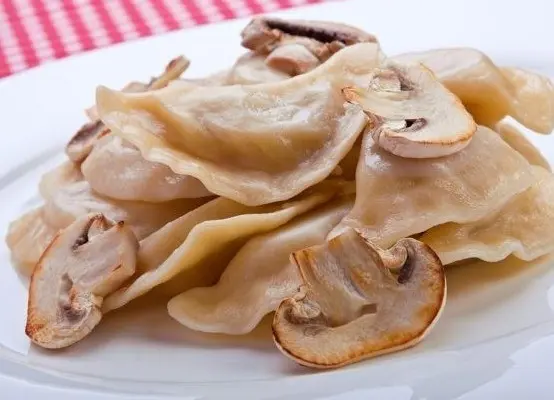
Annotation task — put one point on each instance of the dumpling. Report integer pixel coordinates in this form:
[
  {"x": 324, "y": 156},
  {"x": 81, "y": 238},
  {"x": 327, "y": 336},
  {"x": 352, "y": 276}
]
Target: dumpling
[
  {"x": 490, "y": 93},
  {"x": 197, "y": 243},
  {"x": 27, "y": 238},
  {"x": 82, "y": 142},
  {"x": 517, "y": 141},
  {"x": 173, "y": 70},
  {"x": 67, "y": 197},
  {"x": 258, "y": 278},
  {"x": 30, "y": 234},
  {"x": 77, "y": 199},
  {"x": 524, "y": 227},
  {"x": 399, "y": 197},
  {"x": 254, "y": 144},
  {"x": 115, "y": 168},
  {"x": 63, "y": 175}
]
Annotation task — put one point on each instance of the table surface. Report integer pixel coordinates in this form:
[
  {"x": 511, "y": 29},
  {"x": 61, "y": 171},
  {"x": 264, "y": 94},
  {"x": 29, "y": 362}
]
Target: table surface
[{"x": 33, "y": 32}]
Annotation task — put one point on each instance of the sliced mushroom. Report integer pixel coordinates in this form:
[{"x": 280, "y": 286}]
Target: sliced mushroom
[
  {"x": 292, "y": 59},
  {"x": 80, "y": 145},
  {"x": 412, "y": 114},
  {"x": 296, "y": 46},
  {"x": 490, "y": 93},
  {"x": 84, "y": 263},
  {"x": 265, "y": 34},
  {"x": 359, "y": 301}
]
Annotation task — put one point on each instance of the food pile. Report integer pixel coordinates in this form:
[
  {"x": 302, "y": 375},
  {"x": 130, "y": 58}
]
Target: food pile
[{"x": 317, "y": 178}]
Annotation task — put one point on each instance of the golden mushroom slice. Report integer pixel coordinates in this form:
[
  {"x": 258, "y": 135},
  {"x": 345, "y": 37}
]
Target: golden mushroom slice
[
  {"x": 489, "y": 92},
  {"x": 413, "y": 114},
  {"x": 359, "y": 301},
  {"x": 84, "y": 263}
]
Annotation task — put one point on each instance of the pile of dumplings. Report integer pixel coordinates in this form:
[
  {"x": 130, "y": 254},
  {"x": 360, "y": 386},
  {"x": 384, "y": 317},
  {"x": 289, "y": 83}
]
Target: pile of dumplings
[{"x": 316, "y": 178}]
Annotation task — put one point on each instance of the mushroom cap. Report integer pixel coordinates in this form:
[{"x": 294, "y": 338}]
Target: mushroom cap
[
  {"x": 84, "y": 262},
  {"x": 297, "y": 46},
  {"x": 412, "y": 114},
  {"x": 359, "y": 301},
  {"x": 264, "y": 33}
]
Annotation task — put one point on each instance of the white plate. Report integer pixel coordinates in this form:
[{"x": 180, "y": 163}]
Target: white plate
[{"x": 494, "y": 340}]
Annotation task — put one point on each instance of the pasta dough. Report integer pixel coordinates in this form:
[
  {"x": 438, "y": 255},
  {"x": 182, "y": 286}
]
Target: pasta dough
[
  {"x": 258, "y": 278},
  {"x": 251, "y": 68},
  {"x": 517, "y": 141},
  {"x": 115, "y": 168},
  {"x": 524, "y": 227},
  {"x": 27, "y": 238},
  {"x": 187, "y": 243},
  {"x": 77, "y": 199},
  {"x": 399, "y": 197},
  {"x": 254, "y": 144}
]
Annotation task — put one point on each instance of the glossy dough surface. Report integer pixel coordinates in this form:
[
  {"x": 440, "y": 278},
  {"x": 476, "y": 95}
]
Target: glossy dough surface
[
  {"x": 399, "y": 197},
  {"x": 258, "y": 278},
  {"x": 253, "y": 144},
  {"x": 524, "y": 227}
]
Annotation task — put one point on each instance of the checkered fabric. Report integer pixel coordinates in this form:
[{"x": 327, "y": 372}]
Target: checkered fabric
[{"x": 35, "y": 31}]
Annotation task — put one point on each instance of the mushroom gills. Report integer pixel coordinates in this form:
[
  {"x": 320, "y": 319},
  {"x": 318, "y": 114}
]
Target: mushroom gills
[
  {"x": 85, "y": 262},
  {"x": 412, "y": 114},
  {"x": 359, "y": 301},
  {"x": 489, "y": 92}
]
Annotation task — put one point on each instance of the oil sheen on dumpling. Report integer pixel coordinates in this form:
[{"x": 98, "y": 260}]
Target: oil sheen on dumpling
[
  {"x": 519, "y": 142},
  {"x": 399, "y": 197},
  {"x": 524, "y": 227},
  {"x": 196, "y": 246},
  {"x": 258, "y": 278},
  {"x": 115, "y": 168},
  {"x": 254, "y": 144},
  {"x": 27, "y": 238},
  {"x": 489, "y": 92}
]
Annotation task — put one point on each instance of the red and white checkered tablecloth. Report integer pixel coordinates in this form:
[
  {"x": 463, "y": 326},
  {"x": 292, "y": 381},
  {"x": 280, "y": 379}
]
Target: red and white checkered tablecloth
[{"x": 35, "y": 31}]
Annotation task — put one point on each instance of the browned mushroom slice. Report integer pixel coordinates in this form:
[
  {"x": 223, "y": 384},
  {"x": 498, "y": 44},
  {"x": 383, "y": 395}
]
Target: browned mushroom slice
[
  {"x": 80, "y": 145},
  {"x": 295, "y": 47},
  {"x": 265, "y": 34},
  {"x": 414, "y": 115},
  {"x": 359, "y": 301},
  {"x": 84, "y": 263}
]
